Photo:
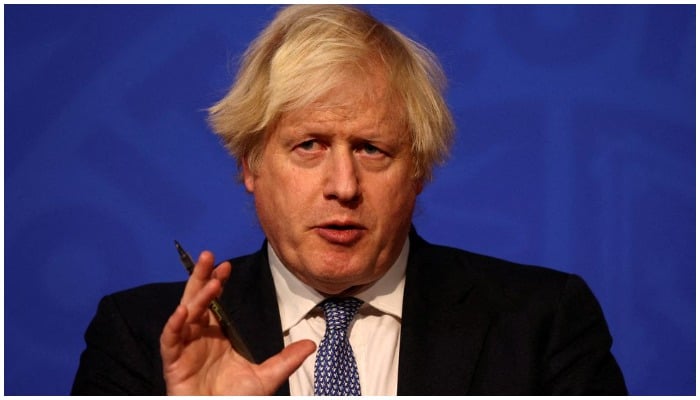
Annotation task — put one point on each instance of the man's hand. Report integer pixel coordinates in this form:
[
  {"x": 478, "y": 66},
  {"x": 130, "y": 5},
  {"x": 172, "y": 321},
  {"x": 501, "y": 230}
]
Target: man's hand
[{"x": 197, "y": 357}]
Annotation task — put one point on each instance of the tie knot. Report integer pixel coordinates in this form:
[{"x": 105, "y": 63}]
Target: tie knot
[{"x": 340, "y": 311}]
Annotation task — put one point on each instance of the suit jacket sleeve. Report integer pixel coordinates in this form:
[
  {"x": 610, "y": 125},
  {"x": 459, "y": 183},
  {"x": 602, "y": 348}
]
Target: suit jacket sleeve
[{"x": 578, "y": 349}]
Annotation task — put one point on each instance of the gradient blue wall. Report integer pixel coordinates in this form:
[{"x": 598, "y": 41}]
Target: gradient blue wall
[{"x": 575, "y": 150}]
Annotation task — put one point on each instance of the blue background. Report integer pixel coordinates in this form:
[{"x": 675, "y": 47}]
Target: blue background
[{"x": 575, "y": 150}]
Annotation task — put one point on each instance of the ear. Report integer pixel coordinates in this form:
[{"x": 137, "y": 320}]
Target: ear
[
  {"x": 418, "y": 185},
  {"x": 248, "y": 176}
]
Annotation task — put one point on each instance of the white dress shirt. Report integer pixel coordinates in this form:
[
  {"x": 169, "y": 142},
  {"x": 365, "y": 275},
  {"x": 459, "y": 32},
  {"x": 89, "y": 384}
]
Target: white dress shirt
[{"x": 374, "y": 334}]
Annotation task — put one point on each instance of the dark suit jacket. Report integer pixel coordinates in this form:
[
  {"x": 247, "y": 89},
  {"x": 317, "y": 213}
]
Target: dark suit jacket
[{"x": 471, "y": 325}]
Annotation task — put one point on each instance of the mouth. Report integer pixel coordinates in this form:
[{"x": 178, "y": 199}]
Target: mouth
[{"x": 344, "y": 234}]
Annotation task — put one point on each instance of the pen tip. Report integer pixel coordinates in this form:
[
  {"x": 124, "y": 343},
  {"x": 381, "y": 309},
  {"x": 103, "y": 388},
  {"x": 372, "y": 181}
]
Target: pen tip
[{"x": 177, "y": 244}]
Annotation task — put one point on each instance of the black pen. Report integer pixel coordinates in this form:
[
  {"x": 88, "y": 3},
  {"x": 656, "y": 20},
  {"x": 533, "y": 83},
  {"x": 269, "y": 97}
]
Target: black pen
[{"x": 219, "y": 311}]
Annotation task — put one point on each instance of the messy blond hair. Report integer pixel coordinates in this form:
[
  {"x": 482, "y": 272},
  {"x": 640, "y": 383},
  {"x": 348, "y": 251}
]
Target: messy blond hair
[{"x": 309, "y": 49}]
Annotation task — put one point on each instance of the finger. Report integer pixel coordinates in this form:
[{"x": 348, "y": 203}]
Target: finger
[
  {"x": 277, "y": 369},
  {"x": 201, "y": 274},
  {"x": 198, "y": 306},
  {"x": 222, "y": 272},
  {"x": 204, "y": 266},
  {"x": 171, "y": 338}
]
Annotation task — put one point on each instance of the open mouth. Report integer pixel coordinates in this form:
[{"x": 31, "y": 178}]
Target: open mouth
[
  {"x": 341, "y": 227},
  {"x": 341, "y": 234}
]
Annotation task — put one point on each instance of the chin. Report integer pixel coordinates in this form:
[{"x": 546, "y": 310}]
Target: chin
[
  {"x": 335, "y": 281},
  {"x": 336, "y": 289}
]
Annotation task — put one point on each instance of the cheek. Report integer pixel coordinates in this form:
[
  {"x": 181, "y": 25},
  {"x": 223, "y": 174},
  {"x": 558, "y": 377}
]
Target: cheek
[
  {"x": 400, "y": 186},
  {"x": 394, "y": 200},
  {"x": 273, "y": 212},
  {"x": 282, "y": 192}
]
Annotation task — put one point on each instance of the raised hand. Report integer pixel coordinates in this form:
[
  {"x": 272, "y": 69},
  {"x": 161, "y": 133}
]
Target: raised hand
[{"x": 199, "y": 360}]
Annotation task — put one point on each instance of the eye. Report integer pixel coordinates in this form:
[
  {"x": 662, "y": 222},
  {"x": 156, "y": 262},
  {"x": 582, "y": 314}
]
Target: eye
[
  {"x": 370, "y": 149},
  {"x": 308, "y": 145}
]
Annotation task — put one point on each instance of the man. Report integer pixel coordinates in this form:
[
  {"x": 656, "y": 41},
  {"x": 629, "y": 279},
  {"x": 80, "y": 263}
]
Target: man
[{"x": 336, "y": 121}]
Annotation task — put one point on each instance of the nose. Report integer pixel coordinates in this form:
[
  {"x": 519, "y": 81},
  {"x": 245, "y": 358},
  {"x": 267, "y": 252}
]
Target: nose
[{"x": 342, "y": 179}]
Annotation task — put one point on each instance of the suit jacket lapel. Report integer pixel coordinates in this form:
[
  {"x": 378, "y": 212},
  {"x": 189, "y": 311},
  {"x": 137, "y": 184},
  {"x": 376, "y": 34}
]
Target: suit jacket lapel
[
  {"x": 445, "y": 320},
  {"x": 249, "y": 296}
]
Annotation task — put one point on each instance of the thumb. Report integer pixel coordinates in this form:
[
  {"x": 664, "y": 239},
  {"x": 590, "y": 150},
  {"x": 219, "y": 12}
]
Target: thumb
[{"x": 276, "y": 369}]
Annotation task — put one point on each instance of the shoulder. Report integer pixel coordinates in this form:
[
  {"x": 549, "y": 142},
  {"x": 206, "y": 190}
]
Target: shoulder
[
  {"x": 550, "y": 320},
  {"x": 505, "y": 283},
  {"x": 142, "y": 310},
  {"x": 122, "y": 341},
  {"x": 518, "y": 296},
  {"x": 148, "y": 296},
  {"x": 158, "y": 300},
  {"x": 451, "y": 259}
]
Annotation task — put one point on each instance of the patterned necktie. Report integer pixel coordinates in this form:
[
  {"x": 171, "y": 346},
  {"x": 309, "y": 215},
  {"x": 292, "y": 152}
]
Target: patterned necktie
[{"x": 335, "y": 372}]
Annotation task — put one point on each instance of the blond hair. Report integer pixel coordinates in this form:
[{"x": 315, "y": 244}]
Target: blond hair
[{"x": 309, "y": 49}]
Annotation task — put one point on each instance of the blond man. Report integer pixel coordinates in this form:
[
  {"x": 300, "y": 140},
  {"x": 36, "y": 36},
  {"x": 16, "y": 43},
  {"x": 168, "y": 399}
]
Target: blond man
[{"x": 336, "y": 121}]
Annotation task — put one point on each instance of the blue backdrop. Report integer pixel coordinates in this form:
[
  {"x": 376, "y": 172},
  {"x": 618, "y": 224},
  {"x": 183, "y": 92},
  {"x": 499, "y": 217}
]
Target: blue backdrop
[{"x": 575, "y": 150}]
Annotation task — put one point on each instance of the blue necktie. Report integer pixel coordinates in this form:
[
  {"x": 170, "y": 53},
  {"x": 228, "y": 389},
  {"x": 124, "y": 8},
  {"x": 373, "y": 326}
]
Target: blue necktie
[{"x": 335, "y": 372}]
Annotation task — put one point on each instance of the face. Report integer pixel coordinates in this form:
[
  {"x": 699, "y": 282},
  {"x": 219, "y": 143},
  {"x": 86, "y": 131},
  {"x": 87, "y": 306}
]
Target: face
[{"x": 334, "y": 190}]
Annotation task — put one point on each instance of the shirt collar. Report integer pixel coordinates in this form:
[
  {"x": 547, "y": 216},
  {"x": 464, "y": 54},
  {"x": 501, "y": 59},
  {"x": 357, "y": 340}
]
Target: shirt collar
[{"x": 295, "y": 299}]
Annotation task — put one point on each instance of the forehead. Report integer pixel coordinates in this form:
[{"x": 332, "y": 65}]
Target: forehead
[{"x": 365, "y": 100}]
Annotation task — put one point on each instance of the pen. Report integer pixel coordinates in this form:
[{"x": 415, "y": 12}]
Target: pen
[{"x": 221, "y": 315}]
